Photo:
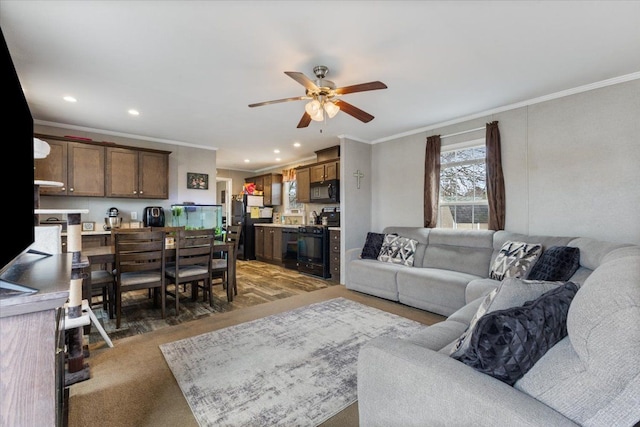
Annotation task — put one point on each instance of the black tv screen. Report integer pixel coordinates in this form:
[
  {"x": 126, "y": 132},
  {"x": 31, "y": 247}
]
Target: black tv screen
[{"x": 17, "y": 170}]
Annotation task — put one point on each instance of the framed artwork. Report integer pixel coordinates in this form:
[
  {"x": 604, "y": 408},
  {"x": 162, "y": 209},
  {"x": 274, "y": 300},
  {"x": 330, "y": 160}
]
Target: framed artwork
[
  {"x": 88, "y": 226},
  {"x": 197, "y": 181}
]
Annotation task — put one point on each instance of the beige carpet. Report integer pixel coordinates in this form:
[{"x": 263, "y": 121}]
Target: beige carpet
[{"x": 131, "y": 384}]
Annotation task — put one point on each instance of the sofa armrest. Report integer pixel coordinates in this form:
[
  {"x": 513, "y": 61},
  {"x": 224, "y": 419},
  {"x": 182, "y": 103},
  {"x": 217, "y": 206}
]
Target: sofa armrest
[
  {"x": 351, "y": 254},
  {"x": 401, "y": 383}
]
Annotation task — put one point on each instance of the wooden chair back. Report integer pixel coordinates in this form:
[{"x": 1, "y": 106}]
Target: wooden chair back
[
  {"x": 139, "y": 264},
  {"x": 194, "y": 261}
]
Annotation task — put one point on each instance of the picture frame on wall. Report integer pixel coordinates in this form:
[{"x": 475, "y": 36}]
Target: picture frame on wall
[
  {"x": 197, "y": 181},
  {"x": 88, "y": 226}
]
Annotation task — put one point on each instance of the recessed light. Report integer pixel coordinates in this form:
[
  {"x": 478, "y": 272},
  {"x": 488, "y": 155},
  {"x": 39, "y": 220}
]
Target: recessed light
[
  {"x": 247, "y": 160},
  {"x": 278, "y": 159},
  {"x": 296, "y": 144},
  {"x": 276, "y": 151},
  {"x": 70, "y": 99},
  {"x": 134, "y": 112}
]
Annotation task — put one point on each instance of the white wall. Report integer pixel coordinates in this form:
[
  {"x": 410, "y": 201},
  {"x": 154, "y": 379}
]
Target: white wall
[{"x": 571, "y": 167}]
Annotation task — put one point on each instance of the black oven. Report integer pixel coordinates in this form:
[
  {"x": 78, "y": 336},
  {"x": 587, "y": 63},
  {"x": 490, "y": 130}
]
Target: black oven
[{"x": 313, "y": 250}]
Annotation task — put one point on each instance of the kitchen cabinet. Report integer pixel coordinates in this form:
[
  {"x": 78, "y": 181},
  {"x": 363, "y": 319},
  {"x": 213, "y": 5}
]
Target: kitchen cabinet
[
  {"x": 303, "y": 182},
  {"x": 271, "y": 187},
  {"x": 78, "y": 166},
  {"x": 259, "y": 243},
  {"x": 269, "y": 244},
  {"x": 325, "y": 171},
  {"x": 334, "y": 255},
  {"x": 136, "y": 173}
]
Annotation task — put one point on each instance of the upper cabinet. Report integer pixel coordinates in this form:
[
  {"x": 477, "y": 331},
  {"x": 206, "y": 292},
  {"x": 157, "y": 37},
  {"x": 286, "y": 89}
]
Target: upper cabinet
[
  {"x": 325, "y": 171},
  {"x": 137, "y": 173},
  {"x": 78, "y": 166},
  {"x": 271, "y": 187},
  {"x": 102, "y": 169},
  {"x": 303, "y": 191}
]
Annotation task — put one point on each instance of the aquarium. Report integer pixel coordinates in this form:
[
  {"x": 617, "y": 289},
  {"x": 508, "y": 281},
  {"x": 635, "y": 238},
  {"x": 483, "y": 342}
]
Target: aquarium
[{"x": 194, "y": 217}]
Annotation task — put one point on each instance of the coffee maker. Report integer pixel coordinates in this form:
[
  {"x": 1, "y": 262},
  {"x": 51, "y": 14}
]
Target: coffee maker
[{"x": 153, "y": 216}]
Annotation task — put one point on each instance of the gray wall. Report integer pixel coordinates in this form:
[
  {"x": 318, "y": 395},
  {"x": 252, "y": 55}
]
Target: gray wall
[{"x": 571, "y": 167}]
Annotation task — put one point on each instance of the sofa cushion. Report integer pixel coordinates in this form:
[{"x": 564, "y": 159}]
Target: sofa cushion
[
  {"x": 556, "y": 263},
  {"x": 515, "y": 259},
  {"x": 507, "y": 343},
  {"x": 374, "y": 278},
  {"x": 510, "y": 293},
  {"x": 372, "y": 245},
  {"x": 398, "y": 250}
]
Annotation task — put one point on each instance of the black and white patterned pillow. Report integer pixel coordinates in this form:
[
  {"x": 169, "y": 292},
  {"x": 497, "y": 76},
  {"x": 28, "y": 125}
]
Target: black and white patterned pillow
[
  {"x": 398, "y": 250},
  {"x": 556, "y": 263},
  {"x": 515, "y": 259}
]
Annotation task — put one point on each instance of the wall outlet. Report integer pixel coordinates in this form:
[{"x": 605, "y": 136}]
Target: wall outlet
[{"x": 134, "y": 215}]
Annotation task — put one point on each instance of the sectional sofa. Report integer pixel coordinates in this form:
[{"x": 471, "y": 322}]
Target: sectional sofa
[{"x": 590, "y": 376}]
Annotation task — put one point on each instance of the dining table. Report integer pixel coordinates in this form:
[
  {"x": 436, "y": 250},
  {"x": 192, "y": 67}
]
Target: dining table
[{"x": 107, "y": 255}]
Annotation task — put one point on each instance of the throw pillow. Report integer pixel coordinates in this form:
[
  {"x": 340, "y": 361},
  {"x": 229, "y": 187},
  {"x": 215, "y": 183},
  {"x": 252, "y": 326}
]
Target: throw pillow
[
  {"x": 556, "y": 263},
  {"x": 507, "y": 343},
  {"x": 510, "y": 293},
  {"x": 515, "y": 259},
  {"x": 398, "y": 250},
  {"x": 372, "y": 246}
]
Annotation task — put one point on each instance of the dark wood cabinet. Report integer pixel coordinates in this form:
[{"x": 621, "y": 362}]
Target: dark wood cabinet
[
  {"x": 259, "y": 243},
  {"x": 334, "y": 254},
  {"x": 303, "y": 181},
  {"x": 139, "y": 174},
  {"x": 324, "y": 171},
  {"x": 271, "y": 187},
  {"x": 269, "y": 244},
  {"x": 78, "y": 166}
]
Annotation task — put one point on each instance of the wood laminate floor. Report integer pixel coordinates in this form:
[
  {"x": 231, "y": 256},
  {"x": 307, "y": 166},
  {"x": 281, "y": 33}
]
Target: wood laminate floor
[{"x": 258, "y": 283}]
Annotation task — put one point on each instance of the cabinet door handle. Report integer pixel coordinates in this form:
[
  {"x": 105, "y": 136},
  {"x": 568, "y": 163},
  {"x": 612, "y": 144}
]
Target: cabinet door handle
[{"x": 71, "y": 189}]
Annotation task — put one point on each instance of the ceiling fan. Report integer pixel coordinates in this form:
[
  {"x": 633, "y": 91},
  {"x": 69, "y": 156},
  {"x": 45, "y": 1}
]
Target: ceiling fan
[{"x": 324, "y": 96}]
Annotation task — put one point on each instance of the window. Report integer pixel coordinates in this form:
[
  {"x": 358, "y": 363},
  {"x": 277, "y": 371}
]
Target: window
[
  {"x": 463, "y": 188},
  {"x": 291, "y": 199}
]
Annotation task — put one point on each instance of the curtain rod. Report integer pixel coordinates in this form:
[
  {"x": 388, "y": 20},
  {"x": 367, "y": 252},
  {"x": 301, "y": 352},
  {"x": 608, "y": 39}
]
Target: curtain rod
[{"x": 463, "y": 132}]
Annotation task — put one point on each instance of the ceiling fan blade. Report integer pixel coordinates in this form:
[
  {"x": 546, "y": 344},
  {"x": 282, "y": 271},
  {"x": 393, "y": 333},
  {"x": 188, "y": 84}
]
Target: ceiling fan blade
[
  {"x": 362, "y": 87},
  {"x": 275, "y": 101},
  {"x": 302, "y": 79},
  {"x": 304, "y": 121},
  {"x": 354, "y": 111}
]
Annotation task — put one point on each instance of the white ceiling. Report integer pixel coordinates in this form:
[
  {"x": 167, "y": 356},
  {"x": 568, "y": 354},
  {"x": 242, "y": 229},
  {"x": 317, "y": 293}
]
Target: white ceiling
[{"x": 192, "y": 67}]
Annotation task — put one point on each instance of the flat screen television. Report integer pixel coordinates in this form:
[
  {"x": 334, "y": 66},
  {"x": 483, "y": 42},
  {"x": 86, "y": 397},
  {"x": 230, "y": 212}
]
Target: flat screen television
[{"x": 17, "y": 172}]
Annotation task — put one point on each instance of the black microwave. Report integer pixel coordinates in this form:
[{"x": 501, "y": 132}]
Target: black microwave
[{"x": 325, "y": 192}]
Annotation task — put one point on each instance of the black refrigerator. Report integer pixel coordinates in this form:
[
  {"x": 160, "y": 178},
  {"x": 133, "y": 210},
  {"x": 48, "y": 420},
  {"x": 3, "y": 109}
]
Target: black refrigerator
[{"x": 241, "y": 214}]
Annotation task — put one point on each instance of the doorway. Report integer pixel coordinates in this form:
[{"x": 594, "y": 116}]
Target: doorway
[{"x": 223, "y": 197}]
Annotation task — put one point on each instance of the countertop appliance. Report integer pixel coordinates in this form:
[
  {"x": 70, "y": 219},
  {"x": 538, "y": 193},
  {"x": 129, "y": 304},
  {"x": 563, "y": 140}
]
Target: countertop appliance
[
  {"x": 313, "y": 250},
  {"x": 113, "y": 220},
  {"x": 325, "y": 192},
  {"x": 330, "y": 217},
  {"x": 153, "y": 216}
]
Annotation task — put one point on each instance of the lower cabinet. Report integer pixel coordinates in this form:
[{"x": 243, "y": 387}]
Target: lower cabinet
[
  {"x": 269, "y": 244},
  {"x": 334, "y": 255}
]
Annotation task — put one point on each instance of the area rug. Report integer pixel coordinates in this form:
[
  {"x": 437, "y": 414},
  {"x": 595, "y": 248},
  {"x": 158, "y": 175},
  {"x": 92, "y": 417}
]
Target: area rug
[{"x": 296, "y": 368}]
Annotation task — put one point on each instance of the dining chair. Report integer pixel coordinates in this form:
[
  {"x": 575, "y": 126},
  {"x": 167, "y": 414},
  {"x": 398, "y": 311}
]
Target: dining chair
[
  {"x": 193, "y": 261},
  {"x": 140, "y": 264},
  {"x": 219, "y": 269}
]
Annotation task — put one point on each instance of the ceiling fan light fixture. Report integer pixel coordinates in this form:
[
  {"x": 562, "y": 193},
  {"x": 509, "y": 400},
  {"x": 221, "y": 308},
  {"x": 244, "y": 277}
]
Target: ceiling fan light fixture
[
  {"x": 314, "y": 110},
  {"x": 331, "y": 109}
]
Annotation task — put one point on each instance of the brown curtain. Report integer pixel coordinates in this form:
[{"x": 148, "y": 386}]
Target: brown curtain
[
  {"x": 495, "y": 178},
  {"x": 431, "y": 181}
]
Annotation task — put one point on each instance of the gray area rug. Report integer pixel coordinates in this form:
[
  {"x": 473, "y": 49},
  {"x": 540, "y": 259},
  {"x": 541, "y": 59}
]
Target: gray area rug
[{"x": 296, "y": 368}]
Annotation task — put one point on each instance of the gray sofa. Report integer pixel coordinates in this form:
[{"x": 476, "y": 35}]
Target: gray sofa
[{"x": 589, "y": 378}]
